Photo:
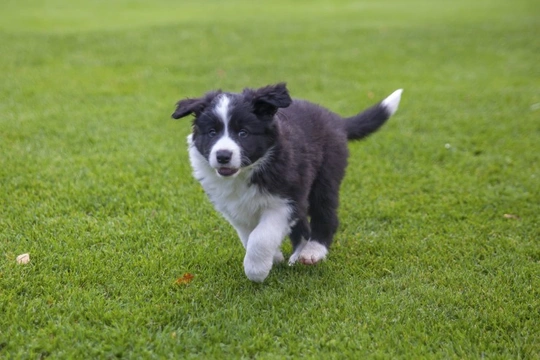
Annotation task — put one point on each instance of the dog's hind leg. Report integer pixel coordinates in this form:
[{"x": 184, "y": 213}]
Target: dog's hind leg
[
  {"x": 324, "y": 201},
  {"x": 324, "y": 225},
  {"x": 299, "y": 235}
]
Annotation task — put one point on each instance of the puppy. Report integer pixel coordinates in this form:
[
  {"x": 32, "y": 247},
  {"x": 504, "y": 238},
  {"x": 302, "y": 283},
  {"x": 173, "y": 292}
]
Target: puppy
[{"x": 273, "y": 166}]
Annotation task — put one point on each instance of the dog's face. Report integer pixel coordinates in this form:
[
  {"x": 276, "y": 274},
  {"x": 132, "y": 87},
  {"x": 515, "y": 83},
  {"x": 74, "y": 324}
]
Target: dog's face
[{"x": 233, "y": 131}]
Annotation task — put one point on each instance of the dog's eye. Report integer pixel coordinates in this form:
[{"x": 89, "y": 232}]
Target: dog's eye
[
  {"x": 243, "y": 133},
  {"x": 212, "y": 132}
]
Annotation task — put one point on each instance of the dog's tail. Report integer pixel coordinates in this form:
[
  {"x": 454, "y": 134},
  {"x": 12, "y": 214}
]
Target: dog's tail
[{"x": 370, "y": 120}]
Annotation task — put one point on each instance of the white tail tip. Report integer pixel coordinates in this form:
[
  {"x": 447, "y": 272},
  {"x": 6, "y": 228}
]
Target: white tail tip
[{"x": 391, "y": 103}]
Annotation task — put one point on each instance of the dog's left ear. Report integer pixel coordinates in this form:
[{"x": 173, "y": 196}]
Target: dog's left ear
[
  {"x": 194, "y": 106},
  {"x": 267, "y": 100}
]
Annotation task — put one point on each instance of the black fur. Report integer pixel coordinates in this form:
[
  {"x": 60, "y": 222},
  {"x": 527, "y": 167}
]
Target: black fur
[{"x": 366, "y": 123}]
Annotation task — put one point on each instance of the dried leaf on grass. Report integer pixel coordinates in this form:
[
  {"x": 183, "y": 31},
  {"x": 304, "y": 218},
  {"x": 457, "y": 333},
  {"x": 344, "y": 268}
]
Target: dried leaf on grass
[
  {"x": 185, "y": 279},
  {"x": 510, "y": 216}
]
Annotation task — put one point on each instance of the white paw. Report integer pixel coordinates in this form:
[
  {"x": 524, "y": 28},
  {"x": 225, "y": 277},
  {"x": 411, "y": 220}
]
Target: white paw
[
  {"x": 312, "y": 253},
  {"x": 294, "y": 257},
  {"x": 278, "y": 257},
  {"x": 257, "y": 270}
]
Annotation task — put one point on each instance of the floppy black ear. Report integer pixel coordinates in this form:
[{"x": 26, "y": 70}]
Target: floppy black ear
[
  {"x": 186, "y": 107},
  {"x": 193, "y": 106},
  {"x": 267, "y": 100}
]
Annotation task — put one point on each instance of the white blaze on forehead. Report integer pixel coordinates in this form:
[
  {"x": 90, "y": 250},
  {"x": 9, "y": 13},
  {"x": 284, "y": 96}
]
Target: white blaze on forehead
[
  {"x": 225, "y": 142},
  {"x": 222, "y": 110}
]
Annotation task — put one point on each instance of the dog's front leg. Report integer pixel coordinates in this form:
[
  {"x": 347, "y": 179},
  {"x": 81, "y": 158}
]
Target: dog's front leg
[
  {"x": 243, "y": 233},
  {"x": 264, "y": 242}
]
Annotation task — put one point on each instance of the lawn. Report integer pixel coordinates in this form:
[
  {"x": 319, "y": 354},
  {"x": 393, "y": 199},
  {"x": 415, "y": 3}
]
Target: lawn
[{"x": 438, "y": 253}]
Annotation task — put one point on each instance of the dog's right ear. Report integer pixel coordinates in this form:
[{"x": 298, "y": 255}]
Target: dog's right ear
[
  {"x": 186, "y": 107},
  {"x": 193, "y": 106}
]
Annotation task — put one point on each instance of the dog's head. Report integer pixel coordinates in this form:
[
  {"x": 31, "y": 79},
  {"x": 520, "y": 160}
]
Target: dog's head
[{"x": 233, "y": 131}]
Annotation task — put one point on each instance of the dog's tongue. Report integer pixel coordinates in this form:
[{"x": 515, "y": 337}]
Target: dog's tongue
[{"x": 225, "y": 171}]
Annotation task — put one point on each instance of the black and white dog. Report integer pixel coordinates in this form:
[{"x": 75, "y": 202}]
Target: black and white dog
[{"x": 273, "y": 167}]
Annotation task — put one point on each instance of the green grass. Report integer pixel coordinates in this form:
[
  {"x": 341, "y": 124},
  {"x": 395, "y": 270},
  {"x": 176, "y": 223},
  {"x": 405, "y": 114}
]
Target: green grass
[{"x": 95, "y": 183}]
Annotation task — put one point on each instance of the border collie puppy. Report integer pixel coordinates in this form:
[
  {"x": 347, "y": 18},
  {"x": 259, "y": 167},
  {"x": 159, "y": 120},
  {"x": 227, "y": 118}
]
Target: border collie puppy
[{"x": 273, "y": 167}]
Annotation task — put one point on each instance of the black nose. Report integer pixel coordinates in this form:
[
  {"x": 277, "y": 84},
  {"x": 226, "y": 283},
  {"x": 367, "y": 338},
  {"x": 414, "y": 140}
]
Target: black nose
[{"x": 223, "y": 156}]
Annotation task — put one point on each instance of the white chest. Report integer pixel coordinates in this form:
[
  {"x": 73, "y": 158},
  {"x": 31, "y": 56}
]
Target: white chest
[{"x": 241, "y": 203}]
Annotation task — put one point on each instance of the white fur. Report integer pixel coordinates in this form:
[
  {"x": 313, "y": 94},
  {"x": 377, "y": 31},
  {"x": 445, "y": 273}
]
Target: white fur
[
  {"x": 225, "y": 142},
  {"x": 312, "y": 253},
  {"x": 260, "y": 219},
  {"x": 278, "y": 257},
  {"x": 243, "y": 234},
  {"x": 391, "y": 103},
  {"x": 222, "y": 109},
  {"x": 264, "y": 241},
  {"x": 296, "y": 255}
]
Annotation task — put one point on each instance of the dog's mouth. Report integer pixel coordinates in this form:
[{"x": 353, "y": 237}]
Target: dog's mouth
[{"x": 227, "y": 171}]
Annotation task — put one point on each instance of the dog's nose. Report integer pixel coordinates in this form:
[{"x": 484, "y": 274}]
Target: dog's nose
[{"x": 223, "y": 156}]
